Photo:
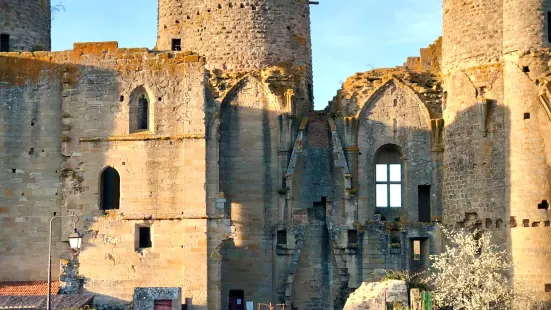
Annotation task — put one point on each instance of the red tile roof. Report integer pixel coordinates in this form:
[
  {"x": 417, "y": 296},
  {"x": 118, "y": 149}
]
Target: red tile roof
[{"x": 37, "y": 288}]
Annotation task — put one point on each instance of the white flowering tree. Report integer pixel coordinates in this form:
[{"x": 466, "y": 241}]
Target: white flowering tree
[{"x": 473, "y": 274}]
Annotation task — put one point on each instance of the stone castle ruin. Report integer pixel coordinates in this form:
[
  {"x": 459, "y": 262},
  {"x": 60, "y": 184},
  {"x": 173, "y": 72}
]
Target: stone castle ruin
[{"x": 201, "y": 174}]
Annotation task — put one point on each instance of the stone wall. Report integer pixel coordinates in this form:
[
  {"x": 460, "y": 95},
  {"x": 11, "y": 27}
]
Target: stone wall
[
  {"x": 250, "y": 181},
  {"x": 28, "y": 23},
  {"x": 79, "y": 102},
  {"x": 399, "y": 107},
  {"x": 30, "y": 92}
]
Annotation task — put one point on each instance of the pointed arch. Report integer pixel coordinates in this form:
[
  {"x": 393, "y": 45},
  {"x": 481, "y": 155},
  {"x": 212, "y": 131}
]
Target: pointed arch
[
  {"x": 371, "y": 100},
  {"x": 110, "y": 187},
  {"x": 242, "y": 83}
]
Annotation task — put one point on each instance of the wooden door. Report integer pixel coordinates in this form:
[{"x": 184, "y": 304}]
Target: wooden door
[{"x": 163, "y": 305}]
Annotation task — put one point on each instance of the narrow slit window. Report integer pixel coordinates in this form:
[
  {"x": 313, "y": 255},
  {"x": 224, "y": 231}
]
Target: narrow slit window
[
  {"x": 143, "y": 113},
  {"x": 416, "y": 250},
  {"x": 4, "y": 42},
  {"x": 549, "y": 27},
  {"x": 388, "y": 178},
  {"x": 423, "y": 201},
  {"x": 176, "y": 45}
]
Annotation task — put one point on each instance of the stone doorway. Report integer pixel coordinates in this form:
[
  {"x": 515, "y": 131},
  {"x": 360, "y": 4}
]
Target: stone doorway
[{"x": 236, "y": 300}]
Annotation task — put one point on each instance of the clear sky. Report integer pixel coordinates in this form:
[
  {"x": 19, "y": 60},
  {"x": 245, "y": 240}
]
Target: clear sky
[{"x": 348, "y": 36}]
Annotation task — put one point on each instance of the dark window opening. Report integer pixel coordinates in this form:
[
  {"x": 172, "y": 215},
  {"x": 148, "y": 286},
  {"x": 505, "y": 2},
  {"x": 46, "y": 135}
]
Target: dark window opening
[
  {"x": 549, "y": 26},
  {"x": 526, "y": 223},
  {"x": 4, "y": 42},
  {"x": 352, "y": 237},
  {"x": 281, "y": 237},
  {"x": 310, "y": 93},
  {"x": 177, "y": 44},
  {"x": 544, "y": 205},
  {"x": 525, "y": 69},
  {"x": 121, "y": 98},
  {"x": 13, "y": 170},
  {"x": 423, "y": 200},
  {"x": 236, "y": 300},
  {"x": 526, "y": 115},
  {"x": 488, "y": 223},
  {"x": 548, "y": 288},
  {"x": 110, "y": 189},
  {"x": 145, "y": 237},
  {"x": 143, "y": 113}
]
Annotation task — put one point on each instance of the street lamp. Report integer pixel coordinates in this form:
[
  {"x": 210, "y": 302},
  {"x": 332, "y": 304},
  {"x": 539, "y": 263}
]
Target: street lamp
[{"x": 75, "y": 241}]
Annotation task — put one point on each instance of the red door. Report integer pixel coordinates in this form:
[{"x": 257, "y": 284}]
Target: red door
[
  {"x": 237, "y": 300},
  {"x": 163, "y": 305}
]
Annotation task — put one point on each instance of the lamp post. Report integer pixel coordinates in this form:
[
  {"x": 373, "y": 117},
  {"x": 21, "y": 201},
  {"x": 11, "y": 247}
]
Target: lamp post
[{"x": 75, "y": 241}]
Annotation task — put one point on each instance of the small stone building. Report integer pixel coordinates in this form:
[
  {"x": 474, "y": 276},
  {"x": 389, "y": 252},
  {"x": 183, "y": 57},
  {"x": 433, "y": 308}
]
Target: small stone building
[{"x": 201, "y": 174}]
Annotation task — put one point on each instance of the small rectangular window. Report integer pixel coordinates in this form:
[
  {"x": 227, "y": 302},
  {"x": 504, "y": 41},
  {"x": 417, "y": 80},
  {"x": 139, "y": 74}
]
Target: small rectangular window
[
  {"x": 548, "y": 288},
  {"x": 352, "y": 237},
  {"x": 145, "y": 237},
  {"x": 4, "y": 42},
  {"x": 281, "y": 237},
  {"x": 176, "y": 45}
]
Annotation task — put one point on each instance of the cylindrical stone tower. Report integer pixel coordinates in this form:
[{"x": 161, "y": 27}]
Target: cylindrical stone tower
[
  {"x": 239, "y": 36},
  {"x": 524, "y": 35},
  {"x": 25, "y": 25},
  {"x": 475, "y": 160}
]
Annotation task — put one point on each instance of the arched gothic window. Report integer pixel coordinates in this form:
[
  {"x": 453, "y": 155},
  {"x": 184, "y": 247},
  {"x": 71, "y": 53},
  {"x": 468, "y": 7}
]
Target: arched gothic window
[
  {"x": 140, "y": 110},
  {"x": 110, "y": 184},
  {"x": 388, "y": 177},
  {"x": 143, "y": 113}
]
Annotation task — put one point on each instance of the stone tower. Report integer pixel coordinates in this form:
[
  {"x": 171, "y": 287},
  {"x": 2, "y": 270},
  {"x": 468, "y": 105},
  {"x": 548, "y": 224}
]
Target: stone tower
[
  {"x": 496, "y": 163},
  {"x": 25, "y": 25},
  {"x": 241, "y": 36}
]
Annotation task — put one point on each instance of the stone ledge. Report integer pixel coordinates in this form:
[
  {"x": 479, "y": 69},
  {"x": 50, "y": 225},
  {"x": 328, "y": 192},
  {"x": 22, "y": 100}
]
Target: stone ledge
[{"x": 144, "y": 137}]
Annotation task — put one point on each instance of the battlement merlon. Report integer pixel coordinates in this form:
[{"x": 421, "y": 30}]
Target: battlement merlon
[
  {"x": 85, "y": 52},
  {"x": 430, "y": 59}
]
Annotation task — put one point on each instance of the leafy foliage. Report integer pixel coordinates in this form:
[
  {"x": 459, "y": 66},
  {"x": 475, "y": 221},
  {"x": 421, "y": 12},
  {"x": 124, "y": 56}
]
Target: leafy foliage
[{"x": 59, "y": 7}]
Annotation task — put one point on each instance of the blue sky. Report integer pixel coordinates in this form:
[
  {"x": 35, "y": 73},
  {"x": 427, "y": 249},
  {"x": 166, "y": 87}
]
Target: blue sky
[{"x": 348, "y": 36}]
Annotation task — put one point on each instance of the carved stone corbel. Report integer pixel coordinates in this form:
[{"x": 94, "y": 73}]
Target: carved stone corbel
[
  {"x": 437, "y": 126},
  {"x": 483, "y": 110},
  {"x": 545, "y": 99}
]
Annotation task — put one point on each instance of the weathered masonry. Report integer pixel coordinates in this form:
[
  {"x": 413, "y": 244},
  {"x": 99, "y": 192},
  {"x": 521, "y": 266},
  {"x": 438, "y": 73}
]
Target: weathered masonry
[{"x": 202, "y": 176}]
